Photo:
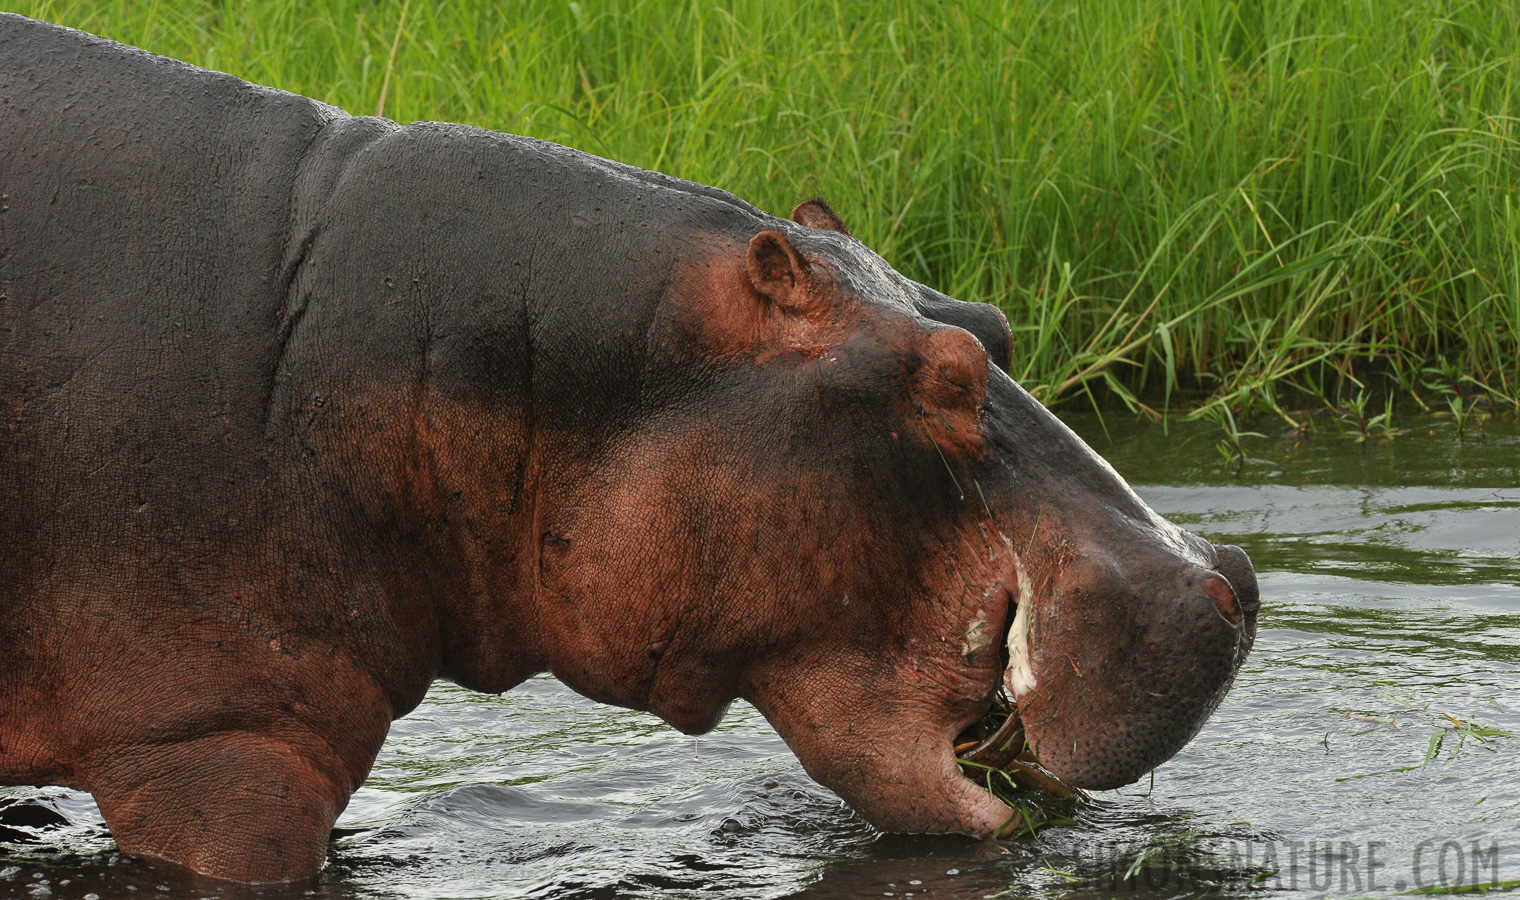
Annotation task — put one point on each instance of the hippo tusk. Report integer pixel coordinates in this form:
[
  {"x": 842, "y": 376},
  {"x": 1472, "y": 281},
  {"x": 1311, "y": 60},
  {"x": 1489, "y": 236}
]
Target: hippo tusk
[
  {"x": 1000, "y": 748},
  {"x": 1019, "y": 677},
  {"x": 1006, "y": 749}
]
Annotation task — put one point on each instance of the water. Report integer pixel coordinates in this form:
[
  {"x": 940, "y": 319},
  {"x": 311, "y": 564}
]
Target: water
[{"x": 1366, "y": 748}]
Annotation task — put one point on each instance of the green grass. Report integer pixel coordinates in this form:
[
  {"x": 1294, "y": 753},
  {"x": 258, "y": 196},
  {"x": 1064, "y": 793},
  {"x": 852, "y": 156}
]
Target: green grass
[{"x": 1236, "y": 200}]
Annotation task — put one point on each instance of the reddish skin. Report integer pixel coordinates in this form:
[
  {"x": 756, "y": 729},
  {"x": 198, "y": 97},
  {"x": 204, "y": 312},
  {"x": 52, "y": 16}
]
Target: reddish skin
[
  {"x": 270, "y": 727},
  {"x": 386, "y": 405}
]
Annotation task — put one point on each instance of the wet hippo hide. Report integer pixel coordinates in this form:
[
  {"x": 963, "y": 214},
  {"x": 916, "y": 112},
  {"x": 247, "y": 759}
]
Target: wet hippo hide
[{"x": 303, "y": 411}]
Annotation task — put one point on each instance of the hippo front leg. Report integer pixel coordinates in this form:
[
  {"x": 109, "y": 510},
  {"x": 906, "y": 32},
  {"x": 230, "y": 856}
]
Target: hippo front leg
[
  {"x": 238, "y": 768},
  {"x": 890, "y": 757},
  {"x": 235, "y": 805}
]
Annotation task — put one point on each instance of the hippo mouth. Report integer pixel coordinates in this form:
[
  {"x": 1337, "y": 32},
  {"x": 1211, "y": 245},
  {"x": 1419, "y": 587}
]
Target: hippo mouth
[
  {"x": 996, "y": 743},
  {"x": 1083, "y": 723},
  {"x": 994, "y": 752},
  {"x": 997, "y": 739}
]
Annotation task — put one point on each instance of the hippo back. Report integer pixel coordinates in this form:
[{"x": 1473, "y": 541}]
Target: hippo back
[{"x": 143, "y": 234}]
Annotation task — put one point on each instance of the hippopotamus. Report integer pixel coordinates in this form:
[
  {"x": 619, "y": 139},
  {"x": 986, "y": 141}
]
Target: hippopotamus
[{"x": 304, "y": 411}]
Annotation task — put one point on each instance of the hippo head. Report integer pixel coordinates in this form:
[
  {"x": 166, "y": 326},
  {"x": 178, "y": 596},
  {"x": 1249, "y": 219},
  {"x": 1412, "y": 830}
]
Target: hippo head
[{"x": 841, "y": 508}]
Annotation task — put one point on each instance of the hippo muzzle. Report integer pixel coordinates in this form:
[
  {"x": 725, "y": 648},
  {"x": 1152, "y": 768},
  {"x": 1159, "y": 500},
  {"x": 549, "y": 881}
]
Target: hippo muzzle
[
  {"x": 1128, "y": 631},
  {"x": 1113, "y": 676}
]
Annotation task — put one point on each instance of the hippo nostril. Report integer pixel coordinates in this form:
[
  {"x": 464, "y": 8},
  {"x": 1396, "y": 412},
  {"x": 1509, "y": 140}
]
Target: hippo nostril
[
  {"x": 1219, "y": 591},
  {"x": 1235, "y": 566}
]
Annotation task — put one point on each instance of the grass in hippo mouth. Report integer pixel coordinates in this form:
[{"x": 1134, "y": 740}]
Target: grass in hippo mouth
[{"x": 994, "y": 754}]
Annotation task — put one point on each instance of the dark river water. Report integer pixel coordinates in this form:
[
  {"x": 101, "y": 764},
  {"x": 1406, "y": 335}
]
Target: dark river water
[{"x": 1367, "y": 748}]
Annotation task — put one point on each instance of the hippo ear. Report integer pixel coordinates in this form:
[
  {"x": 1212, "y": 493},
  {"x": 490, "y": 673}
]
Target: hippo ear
[
  {"x": 778, "y": 271},
  {"x": 816, "y": 213}
]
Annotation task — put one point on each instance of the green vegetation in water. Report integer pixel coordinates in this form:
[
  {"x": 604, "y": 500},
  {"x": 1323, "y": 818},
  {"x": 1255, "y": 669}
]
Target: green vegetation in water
[
  {"x": 1497, "y": 887},
  {"x": 1034, "y": 807},
  {"x": 1237, "y": 198},
  {"x": 1446, "y": 726}
]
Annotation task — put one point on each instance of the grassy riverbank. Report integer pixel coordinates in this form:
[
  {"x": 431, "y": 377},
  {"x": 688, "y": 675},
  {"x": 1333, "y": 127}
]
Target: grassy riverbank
[{"x": 1257, "y": 203}]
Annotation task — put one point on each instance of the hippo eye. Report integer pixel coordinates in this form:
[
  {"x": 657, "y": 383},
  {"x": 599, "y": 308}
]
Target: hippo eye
[
  {"x": 984, "y": 320},
  {"x": 950, "y": 387}
]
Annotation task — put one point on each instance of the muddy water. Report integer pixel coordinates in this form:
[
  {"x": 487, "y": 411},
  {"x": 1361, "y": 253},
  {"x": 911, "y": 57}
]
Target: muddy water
[{"x": 1367, "y": 747}]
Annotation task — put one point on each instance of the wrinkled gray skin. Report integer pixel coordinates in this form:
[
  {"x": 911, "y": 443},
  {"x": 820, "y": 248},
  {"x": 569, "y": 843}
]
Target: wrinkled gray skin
[{"x": 300, "y": 412}]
